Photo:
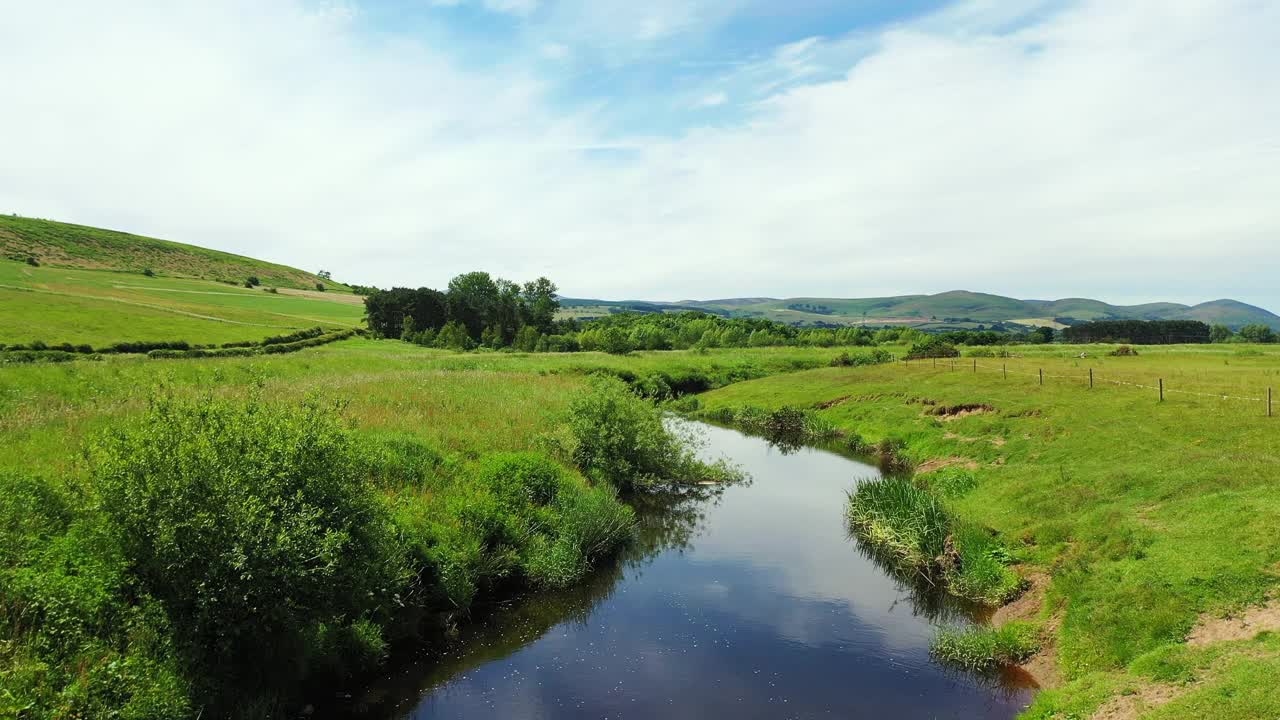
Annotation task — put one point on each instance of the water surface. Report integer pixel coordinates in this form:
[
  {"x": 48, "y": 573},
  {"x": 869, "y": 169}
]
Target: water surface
[{"x": 753, "y": 603}]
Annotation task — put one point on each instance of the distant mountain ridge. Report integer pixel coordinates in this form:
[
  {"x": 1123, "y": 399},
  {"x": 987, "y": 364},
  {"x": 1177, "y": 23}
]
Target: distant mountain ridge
[{"x": 956, "y": 309}]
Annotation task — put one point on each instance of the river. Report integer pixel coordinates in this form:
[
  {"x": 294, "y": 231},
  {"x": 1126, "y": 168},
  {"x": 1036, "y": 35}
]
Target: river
[{"x": 751, "y": 602}]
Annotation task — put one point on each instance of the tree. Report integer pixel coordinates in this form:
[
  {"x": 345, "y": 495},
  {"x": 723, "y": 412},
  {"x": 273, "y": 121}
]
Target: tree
[
  {"x": 33, "y": 262},
  {"x": 324, "y": 275},
  {"x": 527, "y": 339},
  {"x": 320, "y": 287},
  {"x": 253, "y": 281},
  {"x": 541, "y": 303},
  {"x": 1258, "y": 333},
  {"x": 472, "y": 300},
  {"x": 453, "y": 336},
  {"x": 427, "y": 307},
  {"x": 1220, "y": 334},
  {"x": 1042, "y": 335}
]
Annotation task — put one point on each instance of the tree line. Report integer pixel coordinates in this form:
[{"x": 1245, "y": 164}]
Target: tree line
[
  {"x": 476, "y": 309},
  {"x": 1139, "y": 332},
  {"x": 480, "y": 311}
]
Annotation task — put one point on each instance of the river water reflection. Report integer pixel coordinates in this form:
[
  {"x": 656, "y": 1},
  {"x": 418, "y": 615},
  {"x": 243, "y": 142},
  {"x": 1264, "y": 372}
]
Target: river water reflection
[{"x": 751, "y": 603}]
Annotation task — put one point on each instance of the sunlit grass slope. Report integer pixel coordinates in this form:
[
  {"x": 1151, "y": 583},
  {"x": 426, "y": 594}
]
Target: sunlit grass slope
[
  {"x": 97, "y": 307},
  {"x": 68, "y": 245}
]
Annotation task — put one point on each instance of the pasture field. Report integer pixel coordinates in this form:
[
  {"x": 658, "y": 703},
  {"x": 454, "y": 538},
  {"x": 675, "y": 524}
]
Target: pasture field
[
  {"x": 1139, "y": 523},
  {"x": 98, "y": 307},
  {"x": 77, "y": 246},
  {"x": 79, "y": 629}
]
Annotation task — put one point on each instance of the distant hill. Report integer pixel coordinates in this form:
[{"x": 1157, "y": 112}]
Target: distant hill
[
  {"x": 65, "y": 245},
  {"x": 957, "y": 309}
]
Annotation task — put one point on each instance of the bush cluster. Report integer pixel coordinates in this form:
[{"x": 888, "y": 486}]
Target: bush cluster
[
  {"x": 219, "y": 554},
  {"x": 618, "y": 438},
  {"x": 934, "y": 347}
]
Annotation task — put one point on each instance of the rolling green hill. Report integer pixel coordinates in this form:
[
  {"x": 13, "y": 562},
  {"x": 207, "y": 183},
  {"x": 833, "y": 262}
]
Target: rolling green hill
[
  {"x": 77, "y": 246},
  {"x": 88, "y": 286},
  {"x": 954, "y": 309}
]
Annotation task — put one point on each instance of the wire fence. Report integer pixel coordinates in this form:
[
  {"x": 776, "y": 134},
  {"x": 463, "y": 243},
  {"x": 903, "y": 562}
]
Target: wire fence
[{"x": 1092, "y": 379}]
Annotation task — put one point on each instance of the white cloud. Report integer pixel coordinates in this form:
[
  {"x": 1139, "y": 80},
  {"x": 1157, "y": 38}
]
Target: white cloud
[
  {"x": 1126, "y": 150},
  {"x": 715, "y": 99},
  {"x": 512, "y": 7}
]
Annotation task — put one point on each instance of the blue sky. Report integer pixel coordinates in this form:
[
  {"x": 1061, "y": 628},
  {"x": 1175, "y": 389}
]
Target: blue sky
[
  {"x": 658, "y": 68},
  {"x": 1127, "y": 150}
]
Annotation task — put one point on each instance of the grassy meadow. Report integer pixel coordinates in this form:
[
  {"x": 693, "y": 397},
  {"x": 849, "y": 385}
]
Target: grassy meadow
[
  {"x": 60, "y": 304},
  {"x": 1128, "y": 521},
  {"x": 1135, "y": 519},
  {"x": 76, "y": 246}
]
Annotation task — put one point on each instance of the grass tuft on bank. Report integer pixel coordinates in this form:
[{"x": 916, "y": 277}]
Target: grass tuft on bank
[
  {"x": 983, "y": 649},
  {"x": 910, "y": 526}
]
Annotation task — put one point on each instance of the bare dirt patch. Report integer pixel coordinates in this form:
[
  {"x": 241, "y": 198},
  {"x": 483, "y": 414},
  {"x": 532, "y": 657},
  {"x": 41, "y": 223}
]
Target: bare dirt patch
[
  {"x": 947, "y": 413},
  {"x": 1242, "y": 626},
  {"x": 938, "y": 464},
  {"x": 344, "y": 298},
  {"x": 1043, "y": 666},
  {"x": 1135, "y": 705}
]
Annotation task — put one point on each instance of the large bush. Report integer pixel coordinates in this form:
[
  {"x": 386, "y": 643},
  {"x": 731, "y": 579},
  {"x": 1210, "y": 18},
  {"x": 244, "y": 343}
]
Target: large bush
[
  {"x": 619, "y": 438},
  {"x": 253, "y": 525},
  {"x": 75, "y": 641}
]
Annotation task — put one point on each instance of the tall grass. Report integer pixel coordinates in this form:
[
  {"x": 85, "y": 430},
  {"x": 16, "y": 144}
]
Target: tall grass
[
  {"x": 983, "y": 649},
  {"x": 910, "y": 525}
]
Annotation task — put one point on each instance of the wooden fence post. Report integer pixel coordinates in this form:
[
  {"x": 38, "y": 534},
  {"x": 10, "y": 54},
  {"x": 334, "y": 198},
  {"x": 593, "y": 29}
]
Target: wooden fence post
[
  {"x": 1005, "y": 368},
  {"x": 1041, "y": 376},
  {"x": 975, "y": 366},
  {"x": 1268, "y": 402},
  {"x": 1161, "y": 389},
  {"x": 1090, "y": 378}
]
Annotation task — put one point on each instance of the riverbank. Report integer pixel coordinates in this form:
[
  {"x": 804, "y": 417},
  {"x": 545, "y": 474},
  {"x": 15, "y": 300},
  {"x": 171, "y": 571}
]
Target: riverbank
[
  {"x": 1147, "y": 517},
  {"x": 217, "y": 536}
]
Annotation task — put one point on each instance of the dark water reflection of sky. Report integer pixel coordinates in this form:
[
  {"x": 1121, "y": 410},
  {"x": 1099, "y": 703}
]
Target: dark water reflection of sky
[{"x": 770, "y": 611}]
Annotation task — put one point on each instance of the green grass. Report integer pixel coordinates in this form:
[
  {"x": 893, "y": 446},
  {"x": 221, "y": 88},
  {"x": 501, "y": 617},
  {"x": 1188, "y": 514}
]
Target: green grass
[
  {"x": 1146, "y": 514},
  {"x": 66, "y": 245},
  {"x": 144, "y": 541},
  {"x": 96, "y": 307},
  {"x": 981, "y": 649}
]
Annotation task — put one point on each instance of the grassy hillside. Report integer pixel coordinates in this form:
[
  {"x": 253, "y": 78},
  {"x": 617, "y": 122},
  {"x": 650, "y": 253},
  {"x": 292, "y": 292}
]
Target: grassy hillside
[
  {"x": 97, "y": 307},
  {"x": 1140, "y": 523},
  {"x": 954, "y": 309},
  {"x": 66, "y": 245}
]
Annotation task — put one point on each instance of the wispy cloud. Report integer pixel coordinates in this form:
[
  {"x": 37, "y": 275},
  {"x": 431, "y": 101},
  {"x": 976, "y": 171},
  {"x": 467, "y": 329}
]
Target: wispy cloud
[
  {"x": 1125, "y": 150},
  {"x": 513, "y": 7}
]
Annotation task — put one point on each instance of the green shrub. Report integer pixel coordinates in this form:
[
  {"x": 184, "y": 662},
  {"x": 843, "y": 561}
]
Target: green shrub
[
  {"x": 982, "y": 571},
  {"x": 982, "y": 649},
  {"x": 252, "y": 524},
  {"x": 932, "y": 347},
  {"x": 901, "y": 518},
  {"x": 35, "y": 356},
  {"x": 76, "y": 640},
  {"x": 618, "y": 438},
  {"x": 952, "y": 482},
  {"x": 293, "y": 337}
]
